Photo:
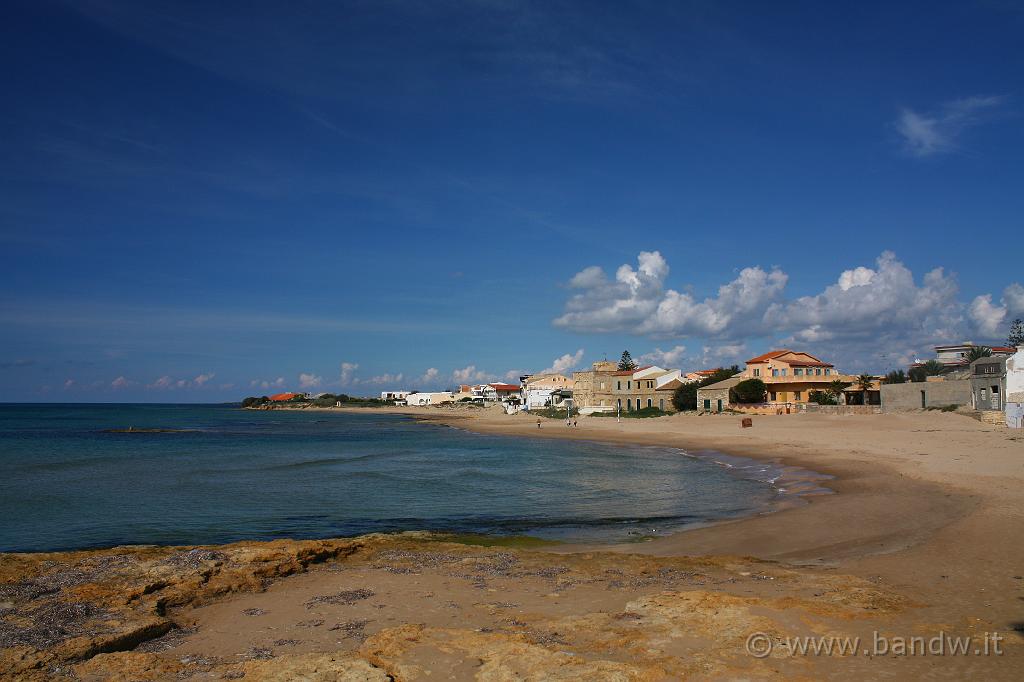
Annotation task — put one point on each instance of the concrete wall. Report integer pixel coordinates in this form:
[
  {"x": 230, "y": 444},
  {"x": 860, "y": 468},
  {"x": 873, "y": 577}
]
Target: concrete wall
[{"x": 896, "y": 397}]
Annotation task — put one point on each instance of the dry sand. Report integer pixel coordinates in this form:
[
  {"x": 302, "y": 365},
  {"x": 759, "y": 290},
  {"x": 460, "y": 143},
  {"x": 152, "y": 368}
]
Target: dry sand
[{"x": 924, "y": 536}]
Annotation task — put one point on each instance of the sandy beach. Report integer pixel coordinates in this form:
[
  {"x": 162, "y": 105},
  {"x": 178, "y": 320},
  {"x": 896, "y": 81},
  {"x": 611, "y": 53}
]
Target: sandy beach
[{"x": 921, "y": 539}]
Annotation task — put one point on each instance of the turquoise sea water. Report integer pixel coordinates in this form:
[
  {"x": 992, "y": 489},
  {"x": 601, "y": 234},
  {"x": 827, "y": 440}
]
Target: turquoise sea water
[{"x": 234, "y": 474}]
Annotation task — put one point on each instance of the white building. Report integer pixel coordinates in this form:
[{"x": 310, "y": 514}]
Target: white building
[
  {"x": 1015, "y": 390},
  {"x": 538, "y": 390},
  {"x": 394, "y": 395},
  {"x": 429, "y": 398}
]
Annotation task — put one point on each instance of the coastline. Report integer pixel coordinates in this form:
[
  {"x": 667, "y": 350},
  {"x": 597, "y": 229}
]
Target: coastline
[{"x": 922, "y": 536}]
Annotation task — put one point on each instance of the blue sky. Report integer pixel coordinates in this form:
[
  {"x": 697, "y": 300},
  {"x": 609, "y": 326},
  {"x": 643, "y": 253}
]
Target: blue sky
[{"x": 201, "y": 201}]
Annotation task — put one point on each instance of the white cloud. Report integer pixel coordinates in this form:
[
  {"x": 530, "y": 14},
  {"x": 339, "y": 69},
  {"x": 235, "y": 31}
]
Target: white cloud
[
  {"x": 386, "y": 378},
  {"x": 664, "y": 358},
  {"x": 875, "y": 305},
  {"x": 429, "y": 377},
  {"x": 203, "y": 378},
  {"x": 276, "y": 383},
  {"x": 69, "y": 383},
  {"x": 879, "y": 314},
  {"x": 348, "y": 373},
  {"x": 986, "y": 315},
  {"x": 638, "y": 302},
  {"x": 937, "y": 132},
  {"x": 309, "y": 380},
  {"x": 470, "y": 375},
  {"x": 564, "y": 364},
  {"x": 992, "y": 319},
  {"x": 163, "y": 382},
  {"x": 120, "y": 382}
]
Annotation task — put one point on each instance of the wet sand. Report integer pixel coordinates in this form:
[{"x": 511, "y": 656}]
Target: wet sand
[{"x": 924, "y": 535}]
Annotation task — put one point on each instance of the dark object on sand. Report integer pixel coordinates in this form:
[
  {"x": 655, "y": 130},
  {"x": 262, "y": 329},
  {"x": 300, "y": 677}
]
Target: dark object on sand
[{"x": 746, "y": 423}]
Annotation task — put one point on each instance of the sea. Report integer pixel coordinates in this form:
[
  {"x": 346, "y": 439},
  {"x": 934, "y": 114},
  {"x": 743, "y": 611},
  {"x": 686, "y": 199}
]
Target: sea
[{"x": 80, "y": 476}]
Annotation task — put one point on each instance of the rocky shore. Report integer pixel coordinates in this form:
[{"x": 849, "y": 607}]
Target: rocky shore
[{"x": 403, "y": 607}]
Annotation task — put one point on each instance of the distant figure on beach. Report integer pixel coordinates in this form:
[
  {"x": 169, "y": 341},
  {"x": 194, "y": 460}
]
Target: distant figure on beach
[
  {"x": 538, "y": 423},
  {"x": 575, "y": 423}
]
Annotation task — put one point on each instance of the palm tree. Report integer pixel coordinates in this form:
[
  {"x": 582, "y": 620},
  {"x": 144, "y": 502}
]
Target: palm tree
[
  {"x": 978, "y": 352},
  {"x": 864, "y": 383},
  {"x": 897, "y": 376},
  {"x": 837, "y": 387}
]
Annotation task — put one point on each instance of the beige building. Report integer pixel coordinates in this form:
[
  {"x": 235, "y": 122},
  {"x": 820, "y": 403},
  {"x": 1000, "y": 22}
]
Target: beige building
[
  {"x": 790, "y": 376},
  {"x": 606, "y": 388},
  {"x": 537, "y": 389}
]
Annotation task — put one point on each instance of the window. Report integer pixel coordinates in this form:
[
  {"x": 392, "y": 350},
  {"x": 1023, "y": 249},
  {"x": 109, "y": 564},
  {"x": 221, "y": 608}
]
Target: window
[
  {"x": 773, "y": 396},
  {"x": 796, "y": 395},
  {"x": 757, "y": 372},
  {"x": 618, "y": 385},
  {"x": 620, "y": 403},
  {"x": 984, "y": 394},
  {"x": 798, "y": 372},
  {"x": 638, "y": 403},
  {"x": 629, "y": 385},
  {"x": 827, "y": 371},
  {"x": 650, "y": 403},
  {"x": 818, "y": 371},
  {"x": 707, "y": 404},
  {"x": 775, "y": 372},
  {"x": 783, "y": 372},
  {"x": 602, "y": 385},
  {"x": 661, "y": 404}
]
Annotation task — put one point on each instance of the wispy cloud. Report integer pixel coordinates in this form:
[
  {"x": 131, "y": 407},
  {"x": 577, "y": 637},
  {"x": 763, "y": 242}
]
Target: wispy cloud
[
  {"x": 936, "y": 132},
  {"x": 565, "y": 363}
]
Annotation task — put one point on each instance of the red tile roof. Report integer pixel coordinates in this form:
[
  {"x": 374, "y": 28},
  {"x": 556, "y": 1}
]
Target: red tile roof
[
  {"x": 283, "y": 396},
  {"x": 1004, "y": 349},
  {"x": 768, "y": 356},
  {"x": 504, "y": 387}
]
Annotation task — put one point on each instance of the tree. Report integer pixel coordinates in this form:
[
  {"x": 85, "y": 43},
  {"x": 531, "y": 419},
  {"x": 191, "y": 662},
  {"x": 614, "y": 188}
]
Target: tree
[
  {"x": 864, "y": 383},
  {"x": 626, "y": 362},
  {"x": 822, "y": 397},
  {"x": 836, "y": 388},
  {"x": 1016, "y": 337},
  {"x": 978, "y": 352},
  {"x": 897, "y": 376},
  {"x": 750, "y": 391},
  {"x": 685, "y": 397},
  {"x": 931, "y": 368}
]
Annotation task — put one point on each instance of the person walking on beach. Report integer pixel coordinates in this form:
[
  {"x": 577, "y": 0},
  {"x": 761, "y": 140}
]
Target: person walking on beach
[{"x": 538, "y": 423}]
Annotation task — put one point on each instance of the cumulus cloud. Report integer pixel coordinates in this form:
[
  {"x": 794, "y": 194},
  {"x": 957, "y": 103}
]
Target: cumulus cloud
[
  {"x": 665, "y": 358},
  {"x": 309, "y": 380},
  {"x": 637, "y": 301},
  {"x": 992, "y": 319},
  {"x": 120, "y": 382},
  {"x": 348, "y": 370},
  {"x": 163, "y": 382},
  {"x": 880, "y": 311},
  {"x": 167, "y": 382},
  {"x": 880, "y": 304},
  {"x": 564, "y": 364},
  {"x": 926, "y": 134},
  {"x": 429, "y": 377},
  {"x": 203, "y": 378},
  {"x": 470, "y": 375}
]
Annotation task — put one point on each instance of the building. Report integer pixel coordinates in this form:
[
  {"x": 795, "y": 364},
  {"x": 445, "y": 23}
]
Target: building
[
  {"x": 954, "y": 356},
  {"x": 1015, "y": 390},
  {"x": 790, "y": 376},
  {"x": 387, "y": 396},
  {"x": 717, "y": 396},
  {"x": 988, "y": 384},
  {"x": 537, "y": 389},
  {"x": 417, "y": 399},
  {"x": 699, "y": 375},
  {"x": 592, "y": 388}
]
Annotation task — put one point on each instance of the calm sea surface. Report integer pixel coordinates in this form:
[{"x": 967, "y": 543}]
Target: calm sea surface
[{"x": 234, "y": 474}]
